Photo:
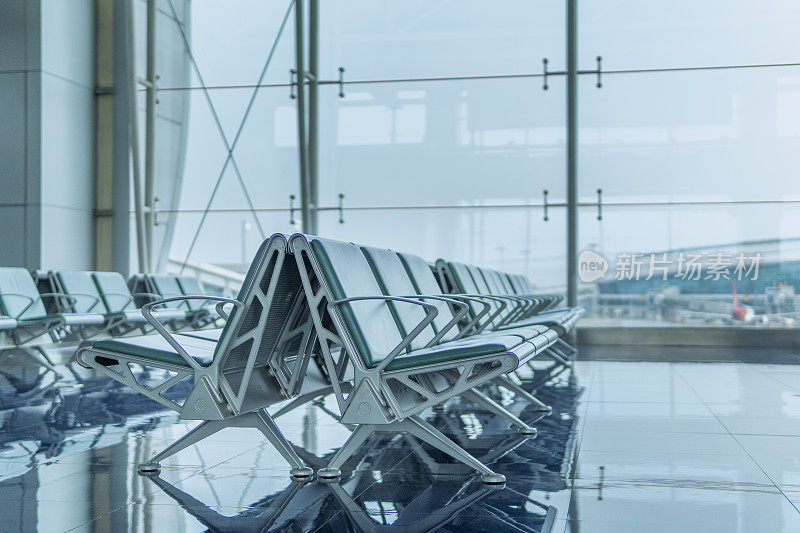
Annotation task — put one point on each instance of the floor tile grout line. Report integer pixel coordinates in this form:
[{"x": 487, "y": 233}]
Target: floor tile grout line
[
  {"x": 741, "y": 445},
  {"x": 773, "y": 378},
  {"x": 142, "y": 499}
]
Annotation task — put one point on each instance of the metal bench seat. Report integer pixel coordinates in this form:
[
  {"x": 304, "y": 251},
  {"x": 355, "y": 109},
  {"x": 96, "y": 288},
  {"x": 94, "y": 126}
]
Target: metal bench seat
[
  {"x": 35, "y": 325},
  {"x": 7, "y": 323},
  {"x": 66, "y": 319},
  {"x": 104, "y": 294},
  {"x": 423, "y": 281},
  {"x": 190, "y": 285},
  {"x": 197, "y": 312},
  {"x": 156, "y": 348},
  {"x": 512, "y": 304},
  {"x": 384, "y": 345},
  {"x": 120, "y": 304},
  {"x": 562, "y": 320},
  {"x": 231, "y": 371}
]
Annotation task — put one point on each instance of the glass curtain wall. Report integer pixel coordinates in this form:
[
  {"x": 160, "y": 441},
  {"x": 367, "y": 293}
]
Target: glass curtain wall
[
  {"x": 443, "y": 143},
  {"x": 445, "y": 139},
  {"x": 693, "y": 141}
]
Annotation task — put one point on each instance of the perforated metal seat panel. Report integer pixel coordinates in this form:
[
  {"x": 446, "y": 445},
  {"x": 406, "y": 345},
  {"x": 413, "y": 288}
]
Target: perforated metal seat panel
[
  {"x": 394, "y": 281},
  {"x": 156, "y": 348}
]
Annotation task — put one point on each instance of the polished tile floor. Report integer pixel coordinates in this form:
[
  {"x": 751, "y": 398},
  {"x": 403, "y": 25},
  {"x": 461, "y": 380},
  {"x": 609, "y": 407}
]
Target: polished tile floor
[{"x": 630, "y": 447}]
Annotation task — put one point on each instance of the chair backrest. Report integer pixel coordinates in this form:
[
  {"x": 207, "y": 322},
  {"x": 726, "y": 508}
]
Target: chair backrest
[
  {"x": 502, "y": 279},
  {"x": 248, "y": 339},
  {"x": 483, "y": 288},
  {"x": 394, "y": 281},
  {"x": 370, "y": 323},
  {"x": 518, "y": 282},
  {"x": 80, "y": 285},
  {"x": 190, "y": 286},
  {"x": 526, "y": 284},
  {"x": 115, "y": 295},
  {"x": 167, "y": 286},
  {"x": 15, "y": 280},
  {"x": 463, "y": 283},
  {"x": 425, "y": 283},
  {"x": 495, "y": 287}
]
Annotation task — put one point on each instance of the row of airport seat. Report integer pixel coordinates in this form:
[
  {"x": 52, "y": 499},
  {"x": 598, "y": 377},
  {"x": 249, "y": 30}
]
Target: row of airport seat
[
  {"x": 374, "y": 328},
  {"x": 62, "y": 306}
]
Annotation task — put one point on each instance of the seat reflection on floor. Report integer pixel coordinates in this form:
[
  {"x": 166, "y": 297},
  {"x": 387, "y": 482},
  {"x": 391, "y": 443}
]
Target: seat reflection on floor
[
  {"x": 62, "y": 439},
  {"x": 380, "y": 497},
  {"x": 399, "y": 484}
]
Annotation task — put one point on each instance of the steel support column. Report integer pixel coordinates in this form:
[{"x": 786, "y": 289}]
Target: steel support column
[
  {"x": 313, "y": 112},
  {"x": 302, "y": 139},
  {"x": 141, "y": 237},
  {"x": 104, "y": 136},
  {"x": 572, "y": 151},
  {"x": 150, "y": 132}
]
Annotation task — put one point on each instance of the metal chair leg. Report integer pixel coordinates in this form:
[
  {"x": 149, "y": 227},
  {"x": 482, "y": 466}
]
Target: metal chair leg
[
  {"x": 361, "y": 433},
  {"x": 507, "y": 383},
  {"x": 426, "y": 432},
  {"x": 258, "y": 420},
  {"x": 264, "y": 423},
  {"x": 205, "y": 429},
  {"x": 494, "y": 407}
]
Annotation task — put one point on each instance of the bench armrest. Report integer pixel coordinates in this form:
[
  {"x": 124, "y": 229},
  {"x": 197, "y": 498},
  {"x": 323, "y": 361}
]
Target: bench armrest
[
  {"x": 122, "y": 294},
  {"x": 74, "y": 295},
  {"x": 503, "y": 305},
  {"x": 430, "y": 313},
  {"x": 473, "y": 324},
  {"x": 148, "y": 315},
  {"x": 30, "y": 300},
  {"x": 463, "y": 309}
]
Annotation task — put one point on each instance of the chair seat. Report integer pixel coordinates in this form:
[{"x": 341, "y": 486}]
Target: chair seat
[
  {"x": 135, "y": 316},
  {"x": 206, "y": 334},
  {"x": 69, "y": 319},
  {"x": 526, "y": 332},
  {"x": 455, "y": 351},
  {"x": 162, "y": 315},
  {"x": 156, "y": 348},
  {"x": 562, "y": 320},
  {"x": 7, "y": 323}
]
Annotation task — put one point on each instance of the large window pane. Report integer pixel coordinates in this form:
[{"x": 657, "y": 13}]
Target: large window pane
[
  {"x": 389, "y": 39},
  {"x": 631, "y": 34},
  {"x": 687, "y": 136},
  {"x": 510, "y": 239},
  {"x": 442, "y": 143}
]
